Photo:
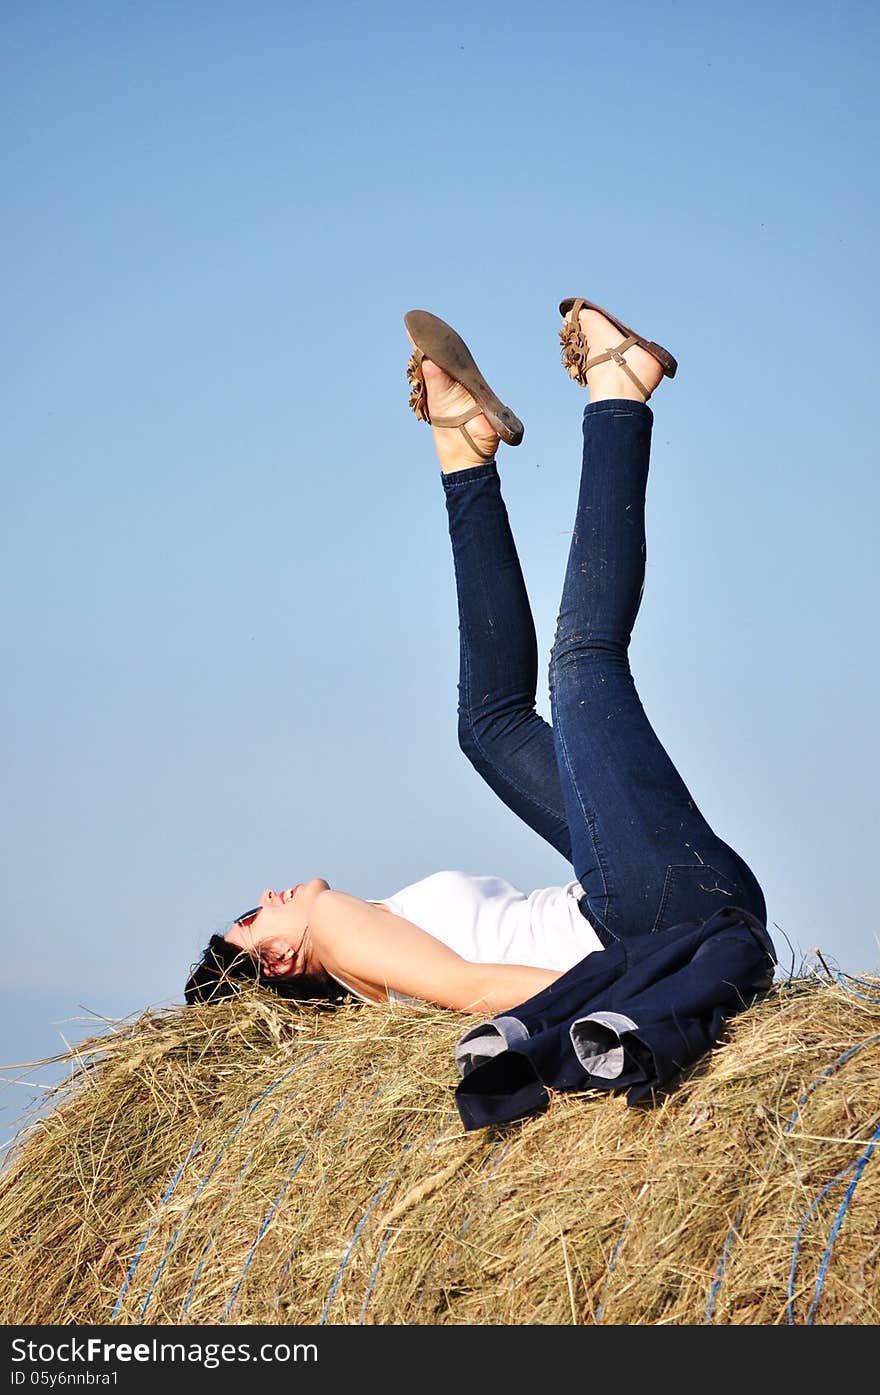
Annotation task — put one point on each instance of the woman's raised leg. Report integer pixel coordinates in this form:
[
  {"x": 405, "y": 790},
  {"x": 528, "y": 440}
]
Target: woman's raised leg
[
  {"x": 500, "y": 732},
  {"x": 641, "y": 849}
]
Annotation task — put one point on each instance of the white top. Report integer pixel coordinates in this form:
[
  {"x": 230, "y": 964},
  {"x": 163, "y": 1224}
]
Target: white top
[{"x": 488, "y": 921}]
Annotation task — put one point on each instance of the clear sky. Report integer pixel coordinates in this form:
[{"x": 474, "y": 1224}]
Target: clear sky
[{"x": 229, "y": 641}]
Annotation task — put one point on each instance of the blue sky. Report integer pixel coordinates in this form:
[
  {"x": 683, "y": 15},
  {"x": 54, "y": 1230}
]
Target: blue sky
[{"x": 230, "y": 644}]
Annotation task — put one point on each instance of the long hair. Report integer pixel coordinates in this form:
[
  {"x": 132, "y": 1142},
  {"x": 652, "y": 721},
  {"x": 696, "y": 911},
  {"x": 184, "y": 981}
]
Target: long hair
[{"x": 225, "y": 969}]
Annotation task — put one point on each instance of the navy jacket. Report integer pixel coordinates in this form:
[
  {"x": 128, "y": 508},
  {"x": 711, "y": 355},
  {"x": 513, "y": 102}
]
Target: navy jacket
[{"x": 627, "y": 1018}]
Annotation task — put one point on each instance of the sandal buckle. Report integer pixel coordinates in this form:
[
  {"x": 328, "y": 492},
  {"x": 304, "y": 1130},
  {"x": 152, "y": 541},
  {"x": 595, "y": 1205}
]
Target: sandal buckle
[{"x": 618, "y": 357}]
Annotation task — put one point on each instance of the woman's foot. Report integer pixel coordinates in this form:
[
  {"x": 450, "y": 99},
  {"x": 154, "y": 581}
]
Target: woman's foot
[
  {"x": 610, "y": 379},
  {"x": 447, "y": 398}
]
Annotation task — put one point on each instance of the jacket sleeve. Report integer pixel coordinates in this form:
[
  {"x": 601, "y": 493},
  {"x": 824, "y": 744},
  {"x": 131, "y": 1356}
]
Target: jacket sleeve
[{"x": 630, "y": 1017}]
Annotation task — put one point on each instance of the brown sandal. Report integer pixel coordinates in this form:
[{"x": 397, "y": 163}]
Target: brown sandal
[
  {"x": 438, "y": 341},
  {"x": 575, "y": 349}
]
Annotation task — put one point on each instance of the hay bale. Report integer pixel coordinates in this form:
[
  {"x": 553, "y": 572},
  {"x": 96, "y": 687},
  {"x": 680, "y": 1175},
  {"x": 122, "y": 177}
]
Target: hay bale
[{"x": 260, "y": 1162}]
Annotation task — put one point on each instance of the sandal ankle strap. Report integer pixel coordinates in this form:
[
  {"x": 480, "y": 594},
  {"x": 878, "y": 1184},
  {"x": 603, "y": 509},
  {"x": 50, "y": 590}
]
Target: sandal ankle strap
[
  {"x": 459, "y": 421},
  {"x": 419, "y": 404},
  {"x": 617, "y": 356}
]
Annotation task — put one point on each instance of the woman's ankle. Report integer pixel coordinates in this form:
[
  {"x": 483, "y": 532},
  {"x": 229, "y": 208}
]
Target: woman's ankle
[
  {"x": 457, "y": 447},
  {"x": 613, "y": 378}
]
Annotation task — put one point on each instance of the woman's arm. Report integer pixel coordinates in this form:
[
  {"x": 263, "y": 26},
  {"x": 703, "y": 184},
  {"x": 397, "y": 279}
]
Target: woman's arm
[{"x": 373, "y": 950}]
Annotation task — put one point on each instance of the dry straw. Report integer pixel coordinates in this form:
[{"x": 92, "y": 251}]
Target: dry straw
[{"x": 264, "y": 1162}]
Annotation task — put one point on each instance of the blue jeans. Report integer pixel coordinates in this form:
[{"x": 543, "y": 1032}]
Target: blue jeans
[{"x": 598, "y": 784}]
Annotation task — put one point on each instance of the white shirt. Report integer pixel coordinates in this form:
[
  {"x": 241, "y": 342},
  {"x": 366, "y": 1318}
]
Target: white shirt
[{"x": 488, "y": 921}]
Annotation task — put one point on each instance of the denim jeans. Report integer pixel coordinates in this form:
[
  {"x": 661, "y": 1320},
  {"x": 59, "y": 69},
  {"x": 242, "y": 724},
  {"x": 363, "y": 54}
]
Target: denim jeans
[{"x": 598, "y": 784}]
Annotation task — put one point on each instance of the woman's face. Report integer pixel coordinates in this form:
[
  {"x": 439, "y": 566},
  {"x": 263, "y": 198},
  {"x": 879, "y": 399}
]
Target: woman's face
[{"x": 277, "y": 934}]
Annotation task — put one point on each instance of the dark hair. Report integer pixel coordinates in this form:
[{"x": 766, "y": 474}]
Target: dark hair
[{"x": 224, "y": 969}]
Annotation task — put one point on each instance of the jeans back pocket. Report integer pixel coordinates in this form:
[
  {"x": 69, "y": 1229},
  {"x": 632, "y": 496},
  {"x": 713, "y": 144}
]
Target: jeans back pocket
[{"x": 694, "y": 893}]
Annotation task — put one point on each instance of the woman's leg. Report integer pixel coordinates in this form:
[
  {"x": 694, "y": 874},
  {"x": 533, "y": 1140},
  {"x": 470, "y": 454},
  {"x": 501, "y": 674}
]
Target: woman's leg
[
  {"x": 498, "y": 728},
  {"x": 642, "y": 850},
  {"x": 500, "y": 732}
]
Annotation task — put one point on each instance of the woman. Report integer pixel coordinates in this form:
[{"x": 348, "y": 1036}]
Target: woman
[{"x": 598, "y": 784}]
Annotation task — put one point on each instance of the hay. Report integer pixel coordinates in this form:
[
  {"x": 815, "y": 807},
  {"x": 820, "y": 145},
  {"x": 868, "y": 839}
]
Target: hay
[{"x": 261, "y": 1162}]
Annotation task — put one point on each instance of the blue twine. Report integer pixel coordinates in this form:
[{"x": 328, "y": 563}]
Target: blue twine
[
  {"x": 213, "y": 1235},
  {"x": 467, "y": 1220},
  {"x": 859, "y": 1168},
  {"x": 273, "y": 1208},
  {"x": 262, "y": 1231},
  {"x": 611, "y": 1263},
  {"x": 326, "y": 1173},
  {"x": 733, "y": 1233},
  {"x": 340, "y": 1145},
  {"x": 387, "y": 1236},
  {"x": 210, "y": 1240},
  {"x": 865, "y": 998},
  {"x": 797, "y": 1241},
  {"x": 142, "y": 1246},
  {"x": 829, "y": 1070},
  {"x": 865, "y": 982},
  {"x": 250, "y": 1110},
  {"x": 528, "y": 1240},
  {"x": 354, "y": 1239}
]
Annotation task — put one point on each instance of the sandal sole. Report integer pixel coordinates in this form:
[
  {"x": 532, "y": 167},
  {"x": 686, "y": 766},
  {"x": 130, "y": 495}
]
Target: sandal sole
[
  {"x": 663, "y": 356},
  {"x": 440, "y": 343}
]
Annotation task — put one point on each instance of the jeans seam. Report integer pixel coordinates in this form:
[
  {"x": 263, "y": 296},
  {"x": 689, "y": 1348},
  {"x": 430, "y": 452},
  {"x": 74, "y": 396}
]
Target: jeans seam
[
  {"x": 452, "y": 481},
  {"x": 664, "y": 895},
  {"x": 704, "y": 867},
  {"x": 615, "y": 404},
  {"x": 588, "y": 819},
  {"x": 465, "y": 710}
]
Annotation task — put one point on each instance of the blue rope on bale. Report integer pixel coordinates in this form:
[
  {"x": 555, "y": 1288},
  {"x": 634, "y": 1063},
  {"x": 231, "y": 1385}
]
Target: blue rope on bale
[
  {"x": 733, "y": 1233},
  {"x": 273, "y": 1208},
  {"x": 797, "y": 1239},
  {"x": 315, "y": 1136},
  {"x": 210, "y": 1240},
  {"x": 865, "y": 997},
  {"x": 828, "y": 1071},
  {"x": 240, "y": 1178},
  {"x": 354, "y": 1239},
  {"x": 374, "y": 1274},
  {"x": 387, "y": 1235},
  {"x": 340, "y": 1145},
  {"x": 500, "y": 1149},
  {"x": 250, "y": 1110},
  {"x": 857, "y": 1168},
  {"x": 204, "y": 1182},
  {"x": 523, "y": 1249},
  {"x": 497, "y": 1152},
  {"x": 865, "y": 982},
  {"x": 150, "y": 1228},
  {"x": 262, "y": 1231},
  {"x": 597, "y": 1316}
]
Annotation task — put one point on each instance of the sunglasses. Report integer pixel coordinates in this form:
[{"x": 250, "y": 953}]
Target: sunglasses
[{"x": 249, "y": 917}]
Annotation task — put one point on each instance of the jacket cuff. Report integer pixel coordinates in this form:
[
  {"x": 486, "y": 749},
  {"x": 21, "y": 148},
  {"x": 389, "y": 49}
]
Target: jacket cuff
[
  {"x": 597, "y": 1044},
  {"x": 481, "y": 1043}
]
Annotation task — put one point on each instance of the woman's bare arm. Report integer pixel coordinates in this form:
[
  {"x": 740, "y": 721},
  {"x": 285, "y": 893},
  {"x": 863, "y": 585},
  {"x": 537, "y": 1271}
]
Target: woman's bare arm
[{"x": 373, "y": 950}]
